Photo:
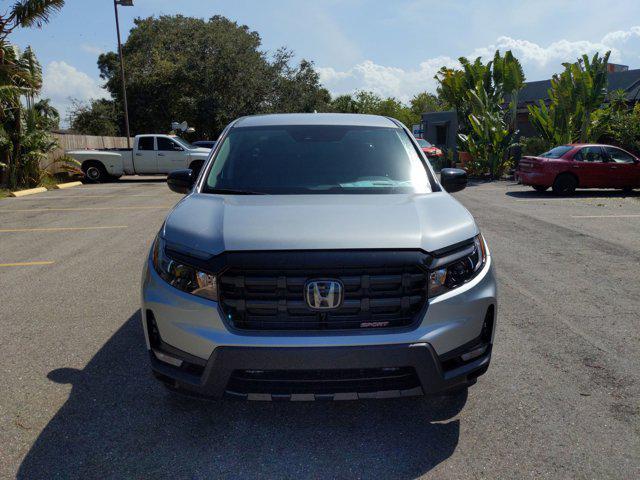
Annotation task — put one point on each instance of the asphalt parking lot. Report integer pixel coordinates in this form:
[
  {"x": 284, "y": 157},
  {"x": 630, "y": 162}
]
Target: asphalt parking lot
[{"x": 561, "y": 399}]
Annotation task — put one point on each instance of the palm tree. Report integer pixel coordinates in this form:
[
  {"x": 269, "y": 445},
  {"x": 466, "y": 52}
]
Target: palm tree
[
  {"x": 20, "y": 76},
  {"x": 590, "y": 80},
  {"x": 28, "y": 13},
  {"x": 507, "y": 72}
]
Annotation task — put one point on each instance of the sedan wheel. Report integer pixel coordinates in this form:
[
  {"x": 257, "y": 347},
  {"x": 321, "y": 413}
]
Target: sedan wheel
[{"x": 565, "y": 184}]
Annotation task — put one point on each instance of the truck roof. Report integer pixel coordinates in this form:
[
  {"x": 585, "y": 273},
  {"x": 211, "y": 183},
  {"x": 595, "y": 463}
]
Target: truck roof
[{"x": 347, "y": 119}]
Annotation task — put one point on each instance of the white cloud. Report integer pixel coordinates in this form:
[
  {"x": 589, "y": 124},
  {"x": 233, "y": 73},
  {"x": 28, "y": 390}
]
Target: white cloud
[
  {"x": 92, "y": 49},
  {"x": 385, "y": 80},
  {"x": 539, "y": 62},
  {"x": 621, "y": 36},
  {"x": 62, "y": 81},
  {"x": 538, "y": 56},
  {"x": 329, "y": 74}
]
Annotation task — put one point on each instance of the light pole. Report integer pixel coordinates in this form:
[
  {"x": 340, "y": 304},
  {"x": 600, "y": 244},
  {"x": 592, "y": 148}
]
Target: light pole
[{"x": 123, "y": 3}]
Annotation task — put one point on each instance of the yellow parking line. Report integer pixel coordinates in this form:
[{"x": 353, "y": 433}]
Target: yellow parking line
[
  {"x": 57, "y": 229},
  {"x": 24, "y": 264},
  {"x": 605, "y": 216},
  {"x": 78, "y": 209}
]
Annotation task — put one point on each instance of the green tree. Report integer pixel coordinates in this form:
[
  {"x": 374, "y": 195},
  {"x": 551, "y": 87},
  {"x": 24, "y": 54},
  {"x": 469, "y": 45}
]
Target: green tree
[
  {"x": 99, "y": 117},
  {"x": 367, "y": 102},
  {"x": 426, "y": 102},
  {"x": 20, "y": 82},
  {"x": 489, "y": 141},
  {"x": 500, "y": 78},
  {"x": 485, "y": 97},
  {"x": 207, "y": 72},
  {"x": 344, "y": 104},
  {"x": 575, "y": 95}
]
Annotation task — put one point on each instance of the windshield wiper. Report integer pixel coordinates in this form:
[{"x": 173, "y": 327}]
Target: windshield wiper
[{"x": 231, "y": 191}]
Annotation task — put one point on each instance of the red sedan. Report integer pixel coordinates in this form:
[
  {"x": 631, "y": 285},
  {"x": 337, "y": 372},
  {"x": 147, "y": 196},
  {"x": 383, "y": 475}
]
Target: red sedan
[
  {"x": 568, "y": 167},
  {"x": 428, "y": 149}
]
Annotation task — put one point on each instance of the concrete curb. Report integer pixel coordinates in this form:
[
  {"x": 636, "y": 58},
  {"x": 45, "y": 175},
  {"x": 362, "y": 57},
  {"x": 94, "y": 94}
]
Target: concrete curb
[
  {"x": 30, "y": 191},
  {"x": 61, "y": 186}
]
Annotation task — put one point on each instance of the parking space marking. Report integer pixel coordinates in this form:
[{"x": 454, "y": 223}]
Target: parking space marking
[
  {"x": 25, "y": 264},
  {"x": 606, "y": 216},
  {"x": 88, "y": 196},
  {"x": 78, "y": 209},
  {"x": 57, "y": 229}
]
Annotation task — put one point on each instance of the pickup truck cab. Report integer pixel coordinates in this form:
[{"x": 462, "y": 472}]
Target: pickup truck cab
[{"x": 151, "y": 155}]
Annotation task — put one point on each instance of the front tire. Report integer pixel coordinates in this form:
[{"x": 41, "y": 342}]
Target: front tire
[
  {"x": 95, "y": 172},
  {"x": 540, "y": 188},
  {"x": 565, "y": 184}
]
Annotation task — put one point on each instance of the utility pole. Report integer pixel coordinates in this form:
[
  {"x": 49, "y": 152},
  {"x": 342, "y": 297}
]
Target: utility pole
[{"x": 123, "y": 3}]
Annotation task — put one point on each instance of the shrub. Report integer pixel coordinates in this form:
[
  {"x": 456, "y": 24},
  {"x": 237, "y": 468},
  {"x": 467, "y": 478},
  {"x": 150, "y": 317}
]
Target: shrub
[{"x": 534, "y": 145}]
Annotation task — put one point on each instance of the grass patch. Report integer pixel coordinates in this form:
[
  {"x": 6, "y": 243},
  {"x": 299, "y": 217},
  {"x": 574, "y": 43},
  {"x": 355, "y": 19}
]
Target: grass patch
[{"x": 48, "y": 182}]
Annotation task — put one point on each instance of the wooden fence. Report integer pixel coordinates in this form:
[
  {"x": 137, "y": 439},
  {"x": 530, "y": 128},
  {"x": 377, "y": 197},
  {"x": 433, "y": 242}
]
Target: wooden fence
[{"x": 78, "y": 142}]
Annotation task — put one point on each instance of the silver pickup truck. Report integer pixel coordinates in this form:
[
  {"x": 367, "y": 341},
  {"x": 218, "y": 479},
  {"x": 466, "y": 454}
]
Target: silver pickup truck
[
  {"x": 151, "y": 155},
  {"x": 317, "y": 256}
]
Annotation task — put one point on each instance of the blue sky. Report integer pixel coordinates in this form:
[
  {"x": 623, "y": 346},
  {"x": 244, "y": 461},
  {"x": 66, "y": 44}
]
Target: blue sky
[{"x": 391, "y": 47}]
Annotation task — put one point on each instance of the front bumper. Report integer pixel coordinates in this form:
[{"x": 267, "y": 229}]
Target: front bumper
[
  {"x": 193, "y": 330},
  {"x": 428, "y": 375}
]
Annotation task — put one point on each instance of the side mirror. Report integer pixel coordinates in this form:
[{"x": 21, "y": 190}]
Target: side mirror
[
  {"x": 453, "y": 179},
  {"x": 181, "y": 181}
]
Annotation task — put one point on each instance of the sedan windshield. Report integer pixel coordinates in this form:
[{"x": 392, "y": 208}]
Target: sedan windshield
[
  {"x": 556, "y": 152},
  {"x": 312, "y": 159}
]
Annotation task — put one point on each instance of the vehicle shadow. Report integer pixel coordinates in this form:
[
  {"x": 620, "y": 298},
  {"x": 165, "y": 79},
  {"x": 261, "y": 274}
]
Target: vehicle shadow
[
  {"x": 578, "y": 194},
  {"x": 120, "y": 423}
]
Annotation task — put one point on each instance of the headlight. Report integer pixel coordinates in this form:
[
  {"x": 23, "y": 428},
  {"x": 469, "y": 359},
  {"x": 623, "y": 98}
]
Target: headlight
[
  {"x": 182, "y": 276},
  {"x": 458, "y": 268}
]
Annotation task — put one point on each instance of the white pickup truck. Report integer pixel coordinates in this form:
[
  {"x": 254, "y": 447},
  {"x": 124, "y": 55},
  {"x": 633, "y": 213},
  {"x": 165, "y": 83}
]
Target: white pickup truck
[{"x": 151, "y": 155}]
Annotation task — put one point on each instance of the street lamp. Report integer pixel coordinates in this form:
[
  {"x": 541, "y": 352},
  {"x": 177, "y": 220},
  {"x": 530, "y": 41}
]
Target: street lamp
[{"x": 123, "y": 3}]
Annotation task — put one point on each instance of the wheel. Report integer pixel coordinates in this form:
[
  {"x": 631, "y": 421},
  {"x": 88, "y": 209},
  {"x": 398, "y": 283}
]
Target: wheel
[
  {"x": 95, "y": 172},
  {"x": 627, "y": 190},
  {"x": 565, "y": 184},
  {"x": 540, "y": 188}
]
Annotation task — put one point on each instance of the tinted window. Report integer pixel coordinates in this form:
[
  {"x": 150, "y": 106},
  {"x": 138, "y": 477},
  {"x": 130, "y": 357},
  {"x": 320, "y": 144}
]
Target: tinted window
[
  {"x": 166, "y": 144},
  {"x": 619, "y": 156},
  {"x": 145, "y": 143},
  {"x": 308, "y": 159},
  {"x": 556, "y": 152},
  {"x": 590, "y": 154}
]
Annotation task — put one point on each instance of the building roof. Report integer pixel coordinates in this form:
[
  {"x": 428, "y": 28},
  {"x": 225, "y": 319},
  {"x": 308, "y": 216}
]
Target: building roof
[
  {"x": 347, "y": 119},
  {"x": 629, "y": 81}
]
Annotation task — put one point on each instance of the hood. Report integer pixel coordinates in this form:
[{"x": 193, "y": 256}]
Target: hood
[
  {"x": 206, "y": 224},
  {"x": 200, "y": 152}
]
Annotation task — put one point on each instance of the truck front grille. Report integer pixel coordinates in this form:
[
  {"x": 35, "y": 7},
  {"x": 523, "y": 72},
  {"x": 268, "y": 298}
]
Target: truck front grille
[{"x": 388, "y": 296}]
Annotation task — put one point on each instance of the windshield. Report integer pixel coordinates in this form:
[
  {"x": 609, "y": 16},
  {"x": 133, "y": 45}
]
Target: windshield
[
  {"x": 423, "y": 143},
  {"x": 311, "y": 159},
  {"x": 556, "y": 152},
  {"x": 183, "y": 143}
]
